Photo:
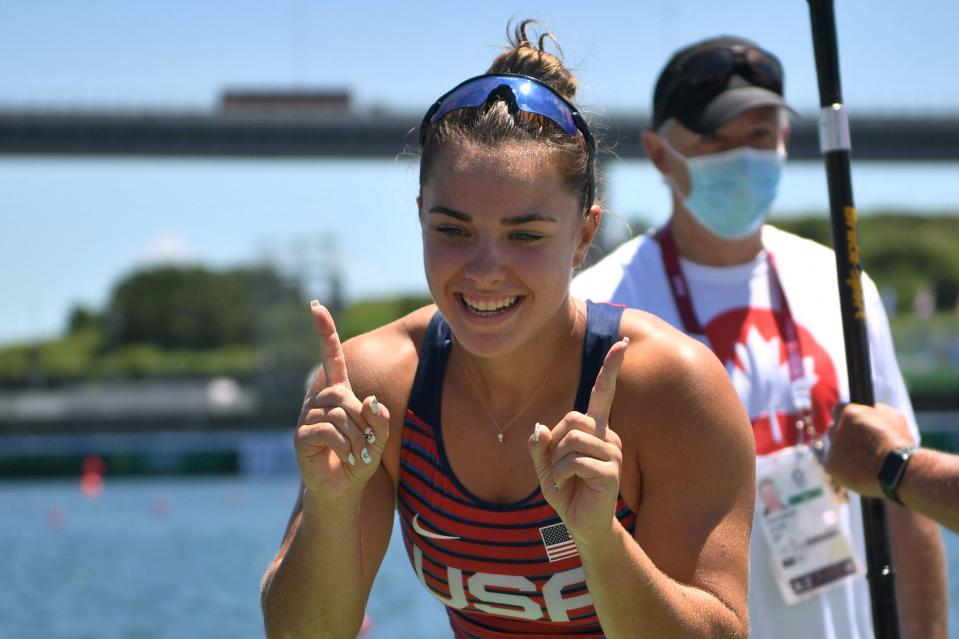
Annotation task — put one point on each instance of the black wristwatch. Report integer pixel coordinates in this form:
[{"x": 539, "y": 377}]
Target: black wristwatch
[{"x": 892, "y": 471}]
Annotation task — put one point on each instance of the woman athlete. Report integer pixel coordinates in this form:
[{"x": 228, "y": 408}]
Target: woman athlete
[{"x": 560, "y": 468}]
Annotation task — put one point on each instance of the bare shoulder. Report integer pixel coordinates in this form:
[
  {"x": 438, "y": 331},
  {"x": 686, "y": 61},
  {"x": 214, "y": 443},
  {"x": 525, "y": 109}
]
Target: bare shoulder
[
  {"x": 660, "y": 356},
  {"x": 689, "y": 458},
  {"x": 676, "y": 385},
  {"x": 383, "y": 361}
]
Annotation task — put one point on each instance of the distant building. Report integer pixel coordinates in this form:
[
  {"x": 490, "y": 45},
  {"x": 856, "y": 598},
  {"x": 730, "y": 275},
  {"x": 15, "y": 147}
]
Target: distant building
[{"x": 300, "y": 102}]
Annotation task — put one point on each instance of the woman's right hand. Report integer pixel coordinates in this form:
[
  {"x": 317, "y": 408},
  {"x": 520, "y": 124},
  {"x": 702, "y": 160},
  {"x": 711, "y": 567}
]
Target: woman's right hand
[{"x": 339, "y": 440}]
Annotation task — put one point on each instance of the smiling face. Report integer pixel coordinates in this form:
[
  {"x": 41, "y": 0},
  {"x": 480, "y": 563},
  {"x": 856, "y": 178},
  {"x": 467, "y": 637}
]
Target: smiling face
[{"x": 501, "y": 234}]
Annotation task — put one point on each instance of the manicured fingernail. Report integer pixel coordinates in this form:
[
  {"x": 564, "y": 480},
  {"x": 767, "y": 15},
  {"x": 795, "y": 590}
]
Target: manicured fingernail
[
  {"x": 314, "y": 303},
  {"x": 370, "y": 437},
  {"x": 374, "y": 406},
  {"x": 536, "y": 431},
  {"x": 626, "y": 341},
  {"x": 350, "y": 458},
  {"x": 365, "y": 456}
]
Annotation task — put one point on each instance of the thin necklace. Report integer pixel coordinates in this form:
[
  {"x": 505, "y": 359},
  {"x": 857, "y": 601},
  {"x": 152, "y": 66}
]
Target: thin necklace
[{"x": 502, "y": 429}]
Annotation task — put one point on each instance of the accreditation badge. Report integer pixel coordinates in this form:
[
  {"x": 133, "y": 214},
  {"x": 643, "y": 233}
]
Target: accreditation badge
[{"x": 798, "y": 511}]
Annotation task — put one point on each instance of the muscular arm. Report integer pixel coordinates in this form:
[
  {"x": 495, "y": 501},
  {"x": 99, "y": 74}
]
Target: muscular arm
[
  {"x": 916, "y": 542},
  {"x": 685, "y": 571},
  {"x": 931, "y": 486},
  {"x": 318, "y": 583},
  {"x": 860, "y": 441},
  {"x": 919, "y": 561}
]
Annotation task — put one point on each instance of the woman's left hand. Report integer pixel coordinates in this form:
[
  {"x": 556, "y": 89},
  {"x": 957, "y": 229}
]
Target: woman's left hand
[{"x": 579, "y": 461}]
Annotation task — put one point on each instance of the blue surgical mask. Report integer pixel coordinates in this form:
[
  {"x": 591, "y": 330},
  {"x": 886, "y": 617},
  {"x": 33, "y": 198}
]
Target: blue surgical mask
[{"x": 732, "y": 192}]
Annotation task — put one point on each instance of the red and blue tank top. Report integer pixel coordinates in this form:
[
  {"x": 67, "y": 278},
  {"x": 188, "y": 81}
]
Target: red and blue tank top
[{"x": 501, "y": 570}]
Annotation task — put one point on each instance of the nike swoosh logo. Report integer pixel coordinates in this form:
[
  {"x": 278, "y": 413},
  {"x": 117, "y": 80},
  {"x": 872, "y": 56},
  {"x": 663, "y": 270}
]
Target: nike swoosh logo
[{"x": 426, "y": 533}]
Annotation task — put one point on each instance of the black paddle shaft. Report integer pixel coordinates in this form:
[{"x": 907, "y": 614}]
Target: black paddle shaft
[{"x": 835, "y": 145}]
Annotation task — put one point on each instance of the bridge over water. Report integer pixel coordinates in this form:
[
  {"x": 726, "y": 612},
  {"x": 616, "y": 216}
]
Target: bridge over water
[{"x": 889, "y": 137}]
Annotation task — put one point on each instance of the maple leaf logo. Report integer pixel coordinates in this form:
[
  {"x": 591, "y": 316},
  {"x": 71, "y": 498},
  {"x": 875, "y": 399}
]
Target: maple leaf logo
[
  {"x": 760, "y": 374},
  {"x": 748, "y": 342}
]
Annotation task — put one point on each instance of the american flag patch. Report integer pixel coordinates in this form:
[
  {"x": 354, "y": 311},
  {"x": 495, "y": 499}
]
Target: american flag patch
[{"x": 559, "y": 545}]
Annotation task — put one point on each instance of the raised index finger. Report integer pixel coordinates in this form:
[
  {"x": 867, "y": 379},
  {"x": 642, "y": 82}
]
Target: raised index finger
[
  {"x": 601, "y": 397},
  {"x": 334, "y": 361}
]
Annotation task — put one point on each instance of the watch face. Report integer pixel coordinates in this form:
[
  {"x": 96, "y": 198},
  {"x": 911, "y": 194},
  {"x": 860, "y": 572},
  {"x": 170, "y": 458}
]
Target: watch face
[{"x": 892, "y": 470}]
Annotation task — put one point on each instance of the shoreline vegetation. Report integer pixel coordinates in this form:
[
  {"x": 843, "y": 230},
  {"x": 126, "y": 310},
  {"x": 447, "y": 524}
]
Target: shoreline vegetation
[
  {"x": 240, "y": 333},
  {"x": 189, "y": 370}
]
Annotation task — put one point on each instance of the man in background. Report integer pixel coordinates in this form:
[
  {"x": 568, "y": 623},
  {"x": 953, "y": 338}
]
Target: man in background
[{"x": 766, "y": 303}]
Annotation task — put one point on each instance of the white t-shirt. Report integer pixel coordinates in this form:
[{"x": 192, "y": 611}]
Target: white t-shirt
[{"x": 733, "y": 305}]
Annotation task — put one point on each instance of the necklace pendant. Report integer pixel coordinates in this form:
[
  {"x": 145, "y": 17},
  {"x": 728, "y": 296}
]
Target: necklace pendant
[{"x": 499, "y": 437}]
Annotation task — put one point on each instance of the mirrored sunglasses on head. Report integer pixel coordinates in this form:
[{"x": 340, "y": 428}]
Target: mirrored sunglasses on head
[
  {"x": 524, "y": 93},
  {"x": 521, "y": 93}
]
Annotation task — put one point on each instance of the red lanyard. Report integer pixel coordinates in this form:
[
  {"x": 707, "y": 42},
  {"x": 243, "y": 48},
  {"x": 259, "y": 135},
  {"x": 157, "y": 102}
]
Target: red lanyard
[
  {"x": 677, "y": 281},
  {"x": 682, "y": 296}
]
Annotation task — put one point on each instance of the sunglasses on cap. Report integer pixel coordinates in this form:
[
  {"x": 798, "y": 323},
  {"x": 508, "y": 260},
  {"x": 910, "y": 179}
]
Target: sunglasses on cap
[
  {"x": 701, "y": 76},
  {"x": 520, "y": 93}
]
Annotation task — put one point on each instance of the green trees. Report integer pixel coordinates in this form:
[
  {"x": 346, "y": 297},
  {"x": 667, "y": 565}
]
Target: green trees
[
  {"x": 175, "y": 321},
  {"x": 902, "y": 252},
  {"x": 193, "y": 308},
  {"x": 254, "y": 323},
  {"x": 249, "y": 323}
]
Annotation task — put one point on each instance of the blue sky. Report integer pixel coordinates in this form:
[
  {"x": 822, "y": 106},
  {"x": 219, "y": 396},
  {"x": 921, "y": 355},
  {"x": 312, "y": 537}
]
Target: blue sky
[
  {"x": 895, "y": 56},
  {"x": 69, "y": 228}
]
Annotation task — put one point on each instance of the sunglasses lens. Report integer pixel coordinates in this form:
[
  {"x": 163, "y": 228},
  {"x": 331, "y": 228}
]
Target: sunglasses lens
[
  {"x": 710, "y": 69},
  {"x": 765, "y": 69},
  {"x": 530, "y": 98},
  {"x": 466, "y": 96}
]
